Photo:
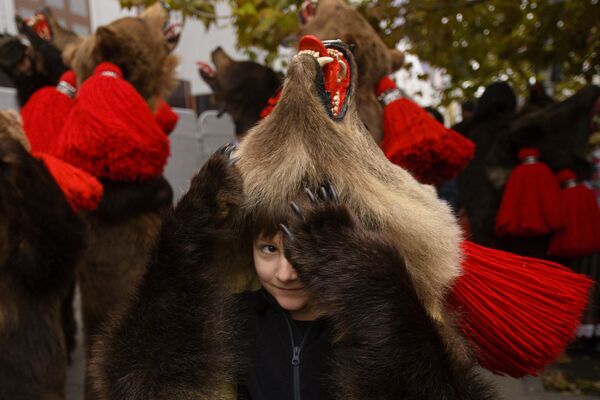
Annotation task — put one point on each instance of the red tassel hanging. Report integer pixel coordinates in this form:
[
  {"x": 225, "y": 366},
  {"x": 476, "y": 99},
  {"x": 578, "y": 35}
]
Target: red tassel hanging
[
  {"x": 82, "y": 191},
  {"x": 531, "y": 201},
  {"x": 45, "y": 113},
  {"x": 111, "y": 132},
  {"x": 271, "y": 103},
  {"x": 519, "y": 313},
  {"x": 581, "y": 234},
  {"x": 414, "y": 140},
  {"x": 165, "y": 117}
]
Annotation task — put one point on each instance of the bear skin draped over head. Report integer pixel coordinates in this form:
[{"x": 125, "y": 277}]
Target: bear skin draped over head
[
  {"x": 335, "y": 19},
  {"x": 40, "y": 241},
  {"x": 376, "y": 251}
]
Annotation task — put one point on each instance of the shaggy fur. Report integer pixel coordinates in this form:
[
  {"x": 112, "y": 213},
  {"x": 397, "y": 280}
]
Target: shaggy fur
[
  {"x": 387, "y": 346},
  {"x": 335, "y": 19},
  {"x": 138, "y": 46},
  {"x": 242, "y": 88},
  {"x": 41, "y": 66},
  {"x": 175, "y": 339},
  {"x": 40, "y": 241},
  {"x": 300, "y": 146}
]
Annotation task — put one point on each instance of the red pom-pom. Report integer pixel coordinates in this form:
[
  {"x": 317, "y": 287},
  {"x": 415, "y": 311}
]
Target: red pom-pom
[
  {"x": 414, "y": 140},
  {"x": 165, "y": 117},
  {"x": 581, "y": 233},
  {"x": 45, "y": 113},
  {"x": 111, "y": 132},
  {"x": 531, "y": 202},
  {"x": 82, "y": 191},
  {"x": 519, "y": 313}
]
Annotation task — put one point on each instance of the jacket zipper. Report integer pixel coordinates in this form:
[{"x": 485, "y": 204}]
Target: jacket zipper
[{"x": 296, "y": 357}]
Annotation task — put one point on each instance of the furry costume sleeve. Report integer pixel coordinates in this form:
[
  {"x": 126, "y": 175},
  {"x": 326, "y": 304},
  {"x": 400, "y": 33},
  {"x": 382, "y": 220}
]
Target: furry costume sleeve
[
  {"x": 387, "y": 345},
  {"x": 175, "y": 341}
]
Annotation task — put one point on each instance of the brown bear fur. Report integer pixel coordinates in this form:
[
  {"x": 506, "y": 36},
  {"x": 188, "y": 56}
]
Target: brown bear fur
[
  {"x": 335, "y": 19},
  {"x": 387, "y": 345},
  {"x": 40, "y": 241},
  {"x": 138, "y": 46},
  {"x": 124, "y": 227},
  {"x": 242, "y": 88}
]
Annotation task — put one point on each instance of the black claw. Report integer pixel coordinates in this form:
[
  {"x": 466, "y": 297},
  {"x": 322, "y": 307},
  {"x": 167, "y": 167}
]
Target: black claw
[
  {"x": 296, "y": 209},
  {"x": 310, "y": 195},
  {"x": 333, "y": 194},
  {"x": 231, "y": 147},
  {"x": 323, "y": 193},
  {"x": 233, "y": 160},
  {"x": 223, "y": 149},
  {"x": 286, "y": 231}
]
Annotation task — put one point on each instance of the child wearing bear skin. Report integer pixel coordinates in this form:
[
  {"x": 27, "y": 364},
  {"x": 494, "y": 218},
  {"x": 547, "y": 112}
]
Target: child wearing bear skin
[{"x": 337, "y": 316}]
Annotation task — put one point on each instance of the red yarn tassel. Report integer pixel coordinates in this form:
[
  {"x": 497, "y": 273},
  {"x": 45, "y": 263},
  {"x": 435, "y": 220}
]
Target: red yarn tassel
[
  {"x": 518, "y": 312},
  {"x": 531, "y": 202},
  {"x": 82, "y": 191},
  {"x": 414, "y": 140},
  {"x": 581, "y": 234},
  {"x": 45, "y": 113},
  {"x": 165, "y": 117},
  {"x": 111, "y": 132}
]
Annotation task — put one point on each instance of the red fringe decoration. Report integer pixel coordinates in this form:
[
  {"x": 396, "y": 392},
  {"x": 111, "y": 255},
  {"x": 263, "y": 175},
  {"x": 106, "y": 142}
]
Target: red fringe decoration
[
  {"x": 417, "y": 142},
  {"x": 111, "y": 132},
  {"x": 581, "y": 234},
  {"x": 45, "y": 113},
  {"x": 518, "y": 312},
  {"x": 531, "y": 200},
  {"x": 165, "y": 117},
  {"x": 82, "y": 191},
  {"x": 272, "y": 102}
]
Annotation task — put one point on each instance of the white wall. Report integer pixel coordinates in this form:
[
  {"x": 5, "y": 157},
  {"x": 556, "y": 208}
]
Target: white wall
[{"x": 7, "y": 16}]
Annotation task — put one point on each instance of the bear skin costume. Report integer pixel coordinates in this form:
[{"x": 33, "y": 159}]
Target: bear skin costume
[
  {"x": 335, "y": 19},
  {"x": 41, "y": 240},
  {"x": 29, "y": 67},
  {"x": 376, "y": 258},
  {"x": 123, "y": 228},
  {"x": 241, "y": 88},
  {"x": 561, "y": 132}
]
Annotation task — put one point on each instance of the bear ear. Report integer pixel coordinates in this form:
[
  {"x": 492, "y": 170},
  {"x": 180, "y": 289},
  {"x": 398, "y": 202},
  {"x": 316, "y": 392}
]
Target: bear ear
[
  {"x": 155, "y": 15},
  {"x": 107, "y": 42},
  {"x": 397, "y": 58}
]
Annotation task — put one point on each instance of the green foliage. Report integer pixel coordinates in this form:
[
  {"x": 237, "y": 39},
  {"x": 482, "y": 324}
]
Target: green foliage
[{"x": 474, "y": 41}]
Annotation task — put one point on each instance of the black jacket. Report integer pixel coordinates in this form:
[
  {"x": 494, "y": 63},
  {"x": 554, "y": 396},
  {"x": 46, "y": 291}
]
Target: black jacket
[{"x": 274, "y": 372}]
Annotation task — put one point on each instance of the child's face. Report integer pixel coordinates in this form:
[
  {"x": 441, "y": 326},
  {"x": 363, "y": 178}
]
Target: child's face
[{"x": 279, "y": 277}]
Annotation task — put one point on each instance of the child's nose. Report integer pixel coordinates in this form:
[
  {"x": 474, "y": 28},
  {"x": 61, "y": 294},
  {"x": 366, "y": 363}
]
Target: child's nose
[{"x": 286, "y": 271}]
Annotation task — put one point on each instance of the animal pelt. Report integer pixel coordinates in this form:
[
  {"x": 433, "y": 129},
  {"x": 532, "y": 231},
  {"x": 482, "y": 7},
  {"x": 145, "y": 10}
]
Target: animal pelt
[
  {"x": 335, "y": 19},
  {"x": 137, "y": 46},
  {"x": 241, "y": 88},
  {"x": 29, "y": 67},
  {"x": 40, "y": 242},
  {"x": 121, "y": 233},
  {"x": 176, "y": 339},
  {"x": 561, "y": 132},
  {"x": 299, "y": 145},
  {"x": 387, "y": 347}
]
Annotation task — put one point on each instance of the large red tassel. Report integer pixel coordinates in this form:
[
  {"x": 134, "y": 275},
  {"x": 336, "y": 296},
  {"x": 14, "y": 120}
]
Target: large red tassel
[
  {"x": 519, "y": 313},
  {"x": 581, "y": 234},
  {"x": 531, "y": 200},
  {"x": 82, "y": 191},
  {"x": 414, "y": 140},
  {"x": 111, "y": 132},
  {"x": 45, "y": 113},
  {"x": 165, "y": 117}
]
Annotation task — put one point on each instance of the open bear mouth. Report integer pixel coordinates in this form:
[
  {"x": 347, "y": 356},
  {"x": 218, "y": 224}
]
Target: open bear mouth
[{"x": 333, "y": 72}]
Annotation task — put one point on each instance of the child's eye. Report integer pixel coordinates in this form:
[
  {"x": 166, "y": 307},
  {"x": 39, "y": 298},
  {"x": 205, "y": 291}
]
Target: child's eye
[{"x": 269, "y": 249}]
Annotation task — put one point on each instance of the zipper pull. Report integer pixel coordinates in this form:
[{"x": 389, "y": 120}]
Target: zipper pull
[{"x": 296, "y": 357}]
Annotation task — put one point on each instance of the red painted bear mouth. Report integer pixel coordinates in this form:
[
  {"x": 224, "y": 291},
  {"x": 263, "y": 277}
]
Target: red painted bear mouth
[{"x": 333, "y": 77}]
